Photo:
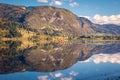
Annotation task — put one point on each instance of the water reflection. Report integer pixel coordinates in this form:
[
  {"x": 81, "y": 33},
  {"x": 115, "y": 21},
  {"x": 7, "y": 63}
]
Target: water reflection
[
  {"x": 44, "y": 57},
  {"x": 84, "y": 60},
  {"x": 104, "y": 58}
]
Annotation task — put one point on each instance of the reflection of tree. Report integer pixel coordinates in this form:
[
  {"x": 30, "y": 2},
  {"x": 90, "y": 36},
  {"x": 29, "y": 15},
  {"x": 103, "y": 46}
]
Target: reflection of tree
[
  {"x": 10, "y": 51},
  {"x": 10, "y": 58},
  {"x": 11, "y": 65}
]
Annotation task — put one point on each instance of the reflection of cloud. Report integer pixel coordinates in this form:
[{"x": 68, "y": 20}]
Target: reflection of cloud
[
  {"x": 43, "y": 78},
  {"x": 66, "y": 78},
  {"x": 112, "y": 58},
  {"x": 73, "y": 73},
  {"x": 58, "y": 74}
]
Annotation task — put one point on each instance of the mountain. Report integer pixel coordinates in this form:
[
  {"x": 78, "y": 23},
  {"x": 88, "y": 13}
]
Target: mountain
[
  {"x": 96, "y": 29},
  {"x": 12, "y": 13},
  {"x": 111, "y": 28},
  {"x": 51, "y": 19},
  {"x": 48, "y": 19},
  {"x": 54, "y": 21},
  {"x": 86, "y": 26}
]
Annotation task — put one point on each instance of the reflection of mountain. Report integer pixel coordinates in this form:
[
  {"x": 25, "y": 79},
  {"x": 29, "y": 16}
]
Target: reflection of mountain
[
  {"x": 105, "y": 47},
  {"x": 54, "y": 56},
  {"x": 108, "y": 49},
  {"x": 47, "y": 57},
  {"x": 53, "y": 59}
]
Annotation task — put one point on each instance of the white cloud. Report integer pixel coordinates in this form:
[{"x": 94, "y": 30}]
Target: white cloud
[
  {"x": 113, "y": 19},
  {"x": 56, "y": 2},
  {"x": 103, "y": 58},
  {"x": 74, "y": 4},
  {"x": 43, "y": 78},
  {"x": 88, "y": 17},
  {"x": 44, "y": 1}
]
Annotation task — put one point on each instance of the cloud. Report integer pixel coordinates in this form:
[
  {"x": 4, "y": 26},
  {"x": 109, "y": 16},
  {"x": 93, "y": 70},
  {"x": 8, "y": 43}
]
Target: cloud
[
  {"x": 61, "y": 2},
  {"x": 74, "y": 4},
  {"x": 56, "y": 2},
  {"x": 44, "y": 1},
  {"x": 113, "y": 19},
  {"x": 104, "y": 58},
  {"x": 88, "y": 17},
  {"x": 42, "y": 77}
]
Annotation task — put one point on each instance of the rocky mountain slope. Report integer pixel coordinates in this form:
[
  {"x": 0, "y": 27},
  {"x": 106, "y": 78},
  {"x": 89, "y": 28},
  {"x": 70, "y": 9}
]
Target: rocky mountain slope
[
  {"x": 12, "y": 13},
  {"x": 54, "y": 21}
]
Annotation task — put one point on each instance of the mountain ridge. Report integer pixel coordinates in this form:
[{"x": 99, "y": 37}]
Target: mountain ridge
[{"x": 55, "y": 21}]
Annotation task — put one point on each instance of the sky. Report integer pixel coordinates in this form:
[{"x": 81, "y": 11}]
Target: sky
[{"x": 99, "y": 11}]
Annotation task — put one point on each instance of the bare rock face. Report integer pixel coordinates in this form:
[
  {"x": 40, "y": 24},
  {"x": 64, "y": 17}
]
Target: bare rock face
[{"x": 57, "y": 19}]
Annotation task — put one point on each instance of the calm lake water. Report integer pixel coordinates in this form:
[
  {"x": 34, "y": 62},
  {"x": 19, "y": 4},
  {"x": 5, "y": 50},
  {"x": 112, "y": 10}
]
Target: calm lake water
[{"x": 76, "y": 60}]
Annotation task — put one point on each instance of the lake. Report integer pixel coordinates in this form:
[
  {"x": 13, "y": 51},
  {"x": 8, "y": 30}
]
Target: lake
[{"x": 72, "y": 60}]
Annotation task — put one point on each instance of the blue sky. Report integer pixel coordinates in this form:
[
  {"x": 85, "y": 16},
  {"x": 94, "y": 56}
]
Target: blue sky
[{"x": 89, "y": 8}]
